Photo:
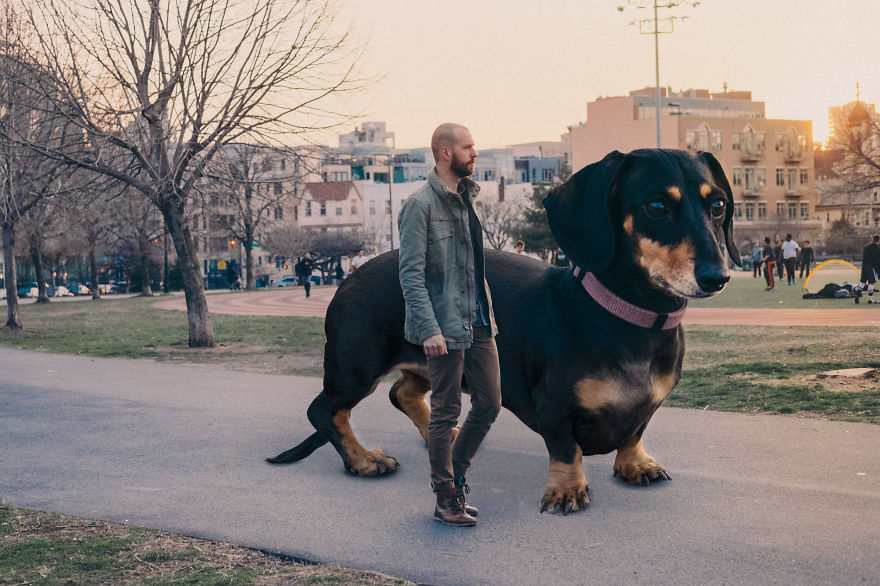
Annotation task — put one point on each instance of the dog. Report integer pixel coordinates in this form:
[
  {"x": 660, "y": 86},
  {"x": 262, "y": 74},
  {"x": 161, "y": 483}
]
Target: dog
[{"x": 586, "y": 355}]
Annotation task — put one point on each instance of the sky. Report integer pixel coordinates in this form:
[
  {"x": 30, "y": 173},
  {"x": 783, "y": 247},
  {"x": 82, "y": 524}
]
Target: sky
[{"x": 523, "y": 71}]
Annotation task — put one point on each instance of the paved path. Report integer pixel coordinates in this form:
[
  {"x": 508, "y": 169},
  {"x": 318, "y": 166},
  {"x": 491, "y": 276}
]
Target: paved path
[
  {"x": 754, "y": 500},
  {"x": 291, "y": 301}
]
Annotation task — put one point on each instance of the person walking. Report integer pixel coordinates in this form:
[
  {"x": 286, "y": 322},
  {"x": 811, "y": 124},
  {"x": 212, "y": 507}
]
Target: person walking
[
  {"x": 449, "y": 314},
  {"x": 303, "y": 270},
  {"x": 757, "y": 253},
  {"x": 769, "y": 260},
  {"x": 807, "y": 258},
  {"x": 789, "y": 258},
  {"x": 357, "y": 261},
  {"x": 520, "y": 247},
  {"x": 870, "y": 266},
  {"x": 777, "y": 256}
]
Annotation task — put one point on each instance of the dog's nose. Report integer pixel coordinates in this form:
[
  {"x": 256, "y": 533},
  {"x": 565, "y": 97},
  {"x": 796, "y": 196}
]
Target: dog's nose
[{"x": 712, "y": 283}]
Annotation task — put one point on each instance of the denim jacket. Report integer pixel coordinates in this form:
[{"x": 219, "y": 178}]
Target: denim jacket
[{"x": 438, "y": 268}]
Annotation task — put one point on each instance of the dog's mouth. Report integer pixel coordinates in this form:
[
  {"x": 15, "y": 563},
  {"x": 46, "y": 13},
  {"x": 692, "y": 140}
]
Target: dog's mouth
[{"x": 692, "y": 288}]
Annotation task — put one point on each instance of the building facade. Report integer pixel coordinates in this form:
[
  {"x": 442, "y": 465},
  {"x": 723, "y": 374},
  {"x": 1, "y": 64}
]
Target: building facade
[{"x": 768, "y": 162}]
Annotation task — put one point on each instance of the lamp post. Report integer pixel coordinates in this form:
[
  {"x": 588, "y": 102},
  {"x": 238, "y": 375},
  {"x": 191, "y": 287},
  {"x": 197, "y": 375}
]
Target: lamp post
[
  {"x": 651, "y": 26},
  {"x": 390, "y": 191}
]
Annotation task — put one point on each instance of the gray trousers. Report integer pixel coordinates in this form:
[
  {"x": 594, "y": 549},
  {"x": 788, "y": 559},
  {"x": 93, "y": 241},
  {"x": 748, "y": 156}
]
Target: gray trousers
[{"x": 479, "y": 365}]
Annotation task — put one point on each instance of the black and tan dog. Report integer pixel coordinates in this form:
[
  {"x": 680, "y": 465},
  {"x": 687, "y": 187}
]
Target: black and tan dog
[{"x": 587, "y": 355}]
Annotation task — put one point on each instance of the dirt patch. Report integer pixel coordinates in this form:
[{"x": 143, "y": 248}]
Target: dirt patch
[
  {"x": 248, "y": 358},
  {"x": 853, "y": 381}
]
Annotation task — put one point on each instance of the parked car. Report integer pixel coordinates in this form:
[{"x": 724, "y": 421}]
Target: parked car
[
  {"x": 78, "y": 289},
  {"x": 285, "y": 282},
  {"x": 28, "y": 290},
  {"x": 58, "y": 291}
]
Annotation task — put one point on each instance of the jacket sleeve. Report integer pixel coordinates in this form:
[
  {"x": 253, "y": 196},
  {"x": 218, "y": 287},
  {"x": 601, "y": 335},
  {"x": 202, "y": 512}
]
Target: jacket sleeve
[{"x": 413, "y": 225}]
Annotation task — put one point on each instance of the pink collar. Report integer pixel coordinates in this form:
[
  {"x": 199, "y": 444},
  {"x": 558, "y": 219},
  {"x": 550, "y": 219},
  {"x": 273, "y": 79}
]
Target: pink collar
[{"x": 625, "y": 310}]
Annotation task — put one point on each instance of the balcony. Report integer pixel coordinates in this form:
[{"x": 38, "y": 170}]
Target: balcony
[
  {"x": 794, "y": 156},
  {"x": 751, "y": 155}
]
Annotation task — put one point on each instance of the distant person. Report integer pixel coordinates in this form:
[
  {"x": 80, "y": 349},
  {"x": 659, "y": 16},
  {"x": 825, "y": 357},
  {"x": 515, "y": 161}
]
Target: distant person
[
  {"x": 806, "y": 258},
  {"x": 303, "y": 270},
  {"x": 757, "y": 254},
  {"x": 870, "y": 265},
  {"x": 357, "y": 261},
  {"x": 789, "y": 258},
  {"x": 520, "y": 247},
  {"x": 338, "y": 274},
  {"x": 769, "y": 260},
  {"x": 777, "y": 256}
]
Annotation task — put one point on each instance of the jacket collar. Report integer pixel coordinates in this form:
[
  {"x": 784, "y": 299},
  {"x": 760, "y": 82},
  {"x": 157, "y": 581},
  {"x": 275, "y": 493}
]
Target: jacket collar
[
  {"x": 439, "y": 186},
  {"x": 638, "y": 316}
]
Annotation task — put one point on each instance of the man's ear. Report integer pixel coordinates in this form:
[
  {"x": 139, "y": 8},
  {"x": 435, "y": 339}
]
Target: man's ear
[
  {"x": 720, "y": 180},
  {"x": 579, "y": 214}
]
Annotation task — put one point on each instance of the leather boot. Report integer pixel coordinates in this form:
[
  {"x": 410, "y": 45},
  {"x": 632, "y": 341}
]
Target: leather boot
[
  {"x": 462, "y": 489},
  {"x": 450, "y": 509}
]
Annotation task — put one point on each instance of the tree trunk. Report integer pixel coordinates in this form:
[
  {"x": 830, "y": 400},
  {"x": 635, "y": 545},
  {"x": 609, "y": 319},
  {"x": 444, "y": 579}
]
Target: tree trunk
[
  {"x": 37, "y": 258},
  {"x": 201, "y": 333},
  {"x": 93, "y": 268},
  {"x": 249, "y": 265},
  {"x": 12, "y": 319},
  {"x": 146, "y": 289}
]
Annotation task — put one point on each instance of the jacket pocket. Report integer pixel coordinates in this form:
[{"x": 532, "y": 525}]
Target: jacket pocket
[{"x": 441, "y": 246}]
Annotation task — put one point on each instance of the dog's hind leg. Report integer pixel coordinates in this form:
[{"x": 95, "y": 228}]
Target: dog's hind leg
[
  {"x": 331, "y": 418},
  {"x": 408, "y": 395}
]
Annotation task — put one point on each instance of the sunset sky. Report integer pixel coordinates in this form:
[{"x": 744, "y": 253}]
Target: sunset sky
[{"x": 522, "y": 71}]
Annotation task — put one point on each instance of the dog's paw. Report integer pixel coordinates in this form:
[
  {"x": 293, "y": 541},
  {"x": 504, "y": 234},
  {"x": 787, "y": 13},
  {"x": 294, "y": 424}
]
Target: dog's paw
[
  {"x": 640, "y": 472},
  {"x": 372, "y": 463},
  {"x": 565, "y": 499}
]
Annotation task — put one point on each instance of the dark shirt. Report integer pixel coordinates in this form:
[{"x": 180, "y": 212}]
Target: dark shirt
[
  {"x": 807, "y": 255},
  {"x": 871, "y": 256},
  {"x": 768, "y": 253}
]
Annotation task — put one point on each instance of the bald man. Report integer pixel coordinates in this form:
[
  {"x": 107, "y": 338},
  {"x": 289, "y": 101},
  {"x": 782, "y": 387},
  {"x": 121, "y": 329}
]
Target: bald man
[{"x": 449, "y": 314}]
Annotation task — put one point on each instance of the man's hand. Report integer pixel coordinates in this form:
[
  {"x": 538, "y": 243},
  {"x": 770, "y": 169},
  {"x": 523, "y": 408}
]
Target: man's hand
[{"x": 435, "y": 346}]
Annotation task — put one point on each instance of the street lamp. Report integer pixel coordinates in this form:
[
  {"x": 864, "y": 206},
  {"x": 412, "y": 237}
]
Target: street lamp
[
  {"x": 651, "y": 26},
  {"x": 390, "y": 192}
]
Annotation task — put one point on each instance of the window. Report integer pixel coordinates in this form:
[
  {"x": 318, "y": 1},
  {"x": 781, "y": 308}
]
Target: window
[
  {"x": 295, "y": 213},
  {"x": 354, "y": 206},
  {"x": 805, "y": 210},
  {"x": 780, "y": 176},
  {"x": 751, "y": 185},
  {"x": 736, "y": 141},
  {"x": 278, "y": 189},
  {"x": 791, "y": 186},
  {"x": 762, "y": 178},
  {"x": 780, "y": 209},
  {"x": 805, "y": 175},
  {"x": 762, "y": 210},
  {"x": 338, "y": 210},
  {"x": 323, "y": 211},
  {"x": 750, "y": 212},
  {"x": 308, "y": 208},
  {"x": 792, "y": 210},
  {"x": 715, "y": 143},
  {"x": 867, "y": 218},
  {"x": 690, "y": 139},
  {"x": 737, "y": 176},
  {"x": 279, "y": 213},
  {"x": 283, "y": 164},
  {"x": 738, "y": 210}
]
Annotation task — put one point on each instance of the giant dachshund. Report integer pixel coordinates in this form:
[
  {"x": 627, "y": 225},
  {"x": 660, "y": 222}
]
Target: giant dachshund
[{"x": 587, "y": 355}]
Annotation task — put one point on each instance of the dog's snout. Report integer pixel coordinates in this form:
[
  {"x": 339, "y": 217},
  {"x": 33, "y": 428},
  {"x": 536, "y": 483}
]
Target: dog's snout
[{"x": 711, "y": 283}]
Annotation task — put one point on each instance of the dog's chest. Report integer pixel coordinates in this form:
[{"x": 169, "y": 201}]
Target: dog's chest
[{"x": 632, "y": 386}]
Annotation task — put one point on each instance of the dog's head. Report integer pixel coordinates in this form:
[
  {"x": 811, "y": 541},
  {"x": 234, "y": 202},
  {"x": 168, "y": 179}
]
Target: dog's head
[{"x": 665, "y": 211}]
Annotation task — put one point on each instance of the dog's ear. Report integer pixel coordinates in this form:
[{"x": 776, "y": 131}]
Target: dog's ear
[
  {"x": 727, "y": 225},
  {"x": 580, "y": 215}
]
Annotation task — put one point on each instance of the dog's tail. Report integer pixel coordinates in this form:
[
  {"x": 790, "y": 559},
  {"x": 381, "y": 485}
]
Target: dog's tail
[{"x": 303, "y": 450}]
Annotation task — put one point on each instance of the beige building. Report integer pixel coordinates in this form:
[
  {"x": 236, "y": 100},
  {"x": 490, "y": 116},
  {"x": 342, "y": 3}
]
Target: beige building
[
  {"x": 329, "y": 206},
  {"x": 768, "y": 162}
]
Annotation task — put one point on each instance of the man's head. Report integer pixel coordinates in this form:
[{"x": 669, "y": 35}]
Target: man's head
[
  {"x": 453, "y": 148},
  {"x": 806, "y": 242},
  {"x": 876, "y": 237},
  {"x": 766, "y": 240},
  {"x": 520, "y": 245},
  {"x": 788, "y": 237},
  {"x": 307, "y": 255}
]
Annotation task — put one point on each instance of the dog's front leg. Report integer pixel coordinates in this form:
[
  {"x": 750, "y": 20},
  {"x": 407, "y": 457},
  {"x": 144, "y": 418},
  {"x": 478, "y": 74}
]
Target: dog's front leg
[
  {"x": 635, "y": 465},
  {"x": 566, "y": 488}
]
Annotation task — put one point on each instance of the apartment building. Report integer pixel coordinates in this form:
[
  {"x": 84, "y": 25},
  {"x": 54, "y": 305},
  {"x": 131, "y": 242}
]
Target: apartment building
[{"x": 768, "y": 162}]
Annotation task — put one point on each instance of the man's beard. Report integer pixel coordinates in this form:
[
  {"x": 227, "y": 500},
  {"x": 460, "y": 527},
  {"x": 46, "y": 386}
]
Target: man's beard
[{"x": 461, "y": 168}]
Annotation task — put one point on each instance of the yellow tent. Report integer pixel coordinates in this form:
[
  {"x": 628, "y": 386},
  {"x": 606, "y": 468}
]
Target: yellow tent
[{"x": 826, "y": 263}]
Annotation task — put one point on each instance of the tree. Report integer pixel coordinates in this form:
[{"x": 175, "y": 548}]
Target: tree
[
  {"x": 28, "y": 178},
  {"x": 499, "y": 219},
  {"x": 243, "y": 180},
  {"x": 534, "y": 229},
  {"x": 137, "y": 226},
  {"x": 289, "y": 242},
  {"x": 159, "y": 87}
]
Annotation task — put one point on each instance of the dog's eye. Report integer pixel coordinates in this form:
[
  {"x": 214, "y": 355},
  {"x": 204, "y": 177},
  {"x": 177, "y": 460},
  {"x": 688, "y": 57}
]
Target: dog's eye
[
  {"x": 718, "y": 208},
  {"x": 656, "y": 208}
]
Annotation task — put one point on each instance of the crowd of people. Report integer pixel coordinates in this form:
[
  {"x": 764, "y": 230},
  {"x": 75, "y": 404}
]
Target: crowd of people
[{"x": 786, "y": 259}]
